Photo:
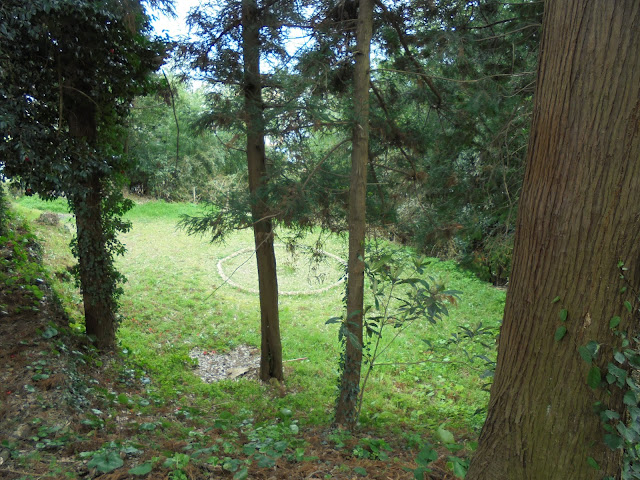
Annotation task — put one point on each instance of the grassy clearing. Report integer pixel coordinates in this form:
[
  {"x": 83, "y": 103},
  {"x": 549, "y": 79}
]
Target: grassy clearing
[{"x": 176, "y": 301}]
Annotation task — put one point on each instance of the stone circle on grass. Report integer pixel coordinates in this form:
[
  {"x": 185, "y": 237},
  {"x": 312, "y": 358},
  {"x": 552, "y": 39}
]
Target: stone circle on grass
[{"x": 300, "y": 272}]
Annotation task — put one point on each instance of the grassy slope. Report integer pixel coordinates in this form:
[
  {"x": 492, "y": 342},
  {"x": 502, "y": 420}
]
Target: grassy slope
[{"x": 171, "y": 305}]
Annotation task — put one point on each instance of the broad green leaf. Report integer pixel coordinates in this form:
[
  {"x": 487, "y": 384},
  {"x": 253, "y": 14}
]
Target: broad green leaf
[
  {"x": 248, "y": 449},
  {"x": 560, "y": 333},
  {"x": 563, "y": 314},
  {"x": 614, "y": 322},
  {"x": 556, "y": 300},
  {"x": 427, "y": 455},
  {"x": 633, "y": 358},
  {"x": 265, "y": 462},
  {"x": 459, "y": 470},
  {"x": 630, "y": 398},
  {"x": 444, "y": 435},
  {"x": 607, "y": 415},
  {"x": 418, "y": 473},
  {"x": 594, "y": 377},
  {"x": 141, "y": 469},
  {"x": 50, "y": 332},
  {"x": 628, "y": 434},
  {"x": 360, "y": 471},
  {"x": 592, "y": 463},
  {"x": 585, "y": 353},
  {"x": 613, "y": 441},
  {"x": 628, "y": 306},
  {"x": 593, "y": 348},
  {"x": 106, "y": 461},
  {"x": 285, "y": 412},
  {"x": 241, "y": 474},
  {"x": 616, "y": 374}
]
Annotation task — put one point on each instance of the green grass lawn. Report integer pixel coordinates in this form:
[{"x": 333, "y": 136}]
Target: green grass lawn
[{"x": 175, "y": 300}]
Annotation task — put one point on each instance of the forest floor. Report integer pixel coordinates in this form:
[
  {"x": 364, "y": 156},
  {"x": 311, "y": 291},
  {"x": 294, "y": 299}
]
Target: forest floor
[{"x": 67, "y": 411}]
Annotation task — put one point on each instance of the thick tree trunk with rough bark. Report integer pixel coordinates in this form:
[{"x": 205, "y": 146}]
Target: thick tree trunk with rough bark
[
  {"x": 346, "y": 406},
  {"x": 579, "y": 216},
  {"x": 99, "y": 314},
  {"x": 271, "y": 347}
]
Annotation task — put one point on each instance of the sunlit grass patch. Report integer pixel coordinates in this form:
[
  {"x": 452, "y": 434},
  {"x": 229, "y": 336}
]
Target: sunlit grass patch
[{"x": 175, "y": 300}]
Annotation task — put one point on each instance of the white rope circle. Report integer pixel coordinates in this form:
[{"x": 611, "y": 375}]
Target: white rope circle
[{"x": 227, "y": 279}]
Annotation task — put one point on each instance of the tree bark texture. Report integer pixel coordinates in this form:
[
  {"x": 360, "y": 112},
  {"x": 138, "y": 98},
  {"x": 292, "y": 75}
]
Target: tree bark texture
[
  {"x": 579, "y": 216},
  {"x": 93, "y": 256},
  {"x": 271, "y": 346},
  {"x": 346, "y": 406}
]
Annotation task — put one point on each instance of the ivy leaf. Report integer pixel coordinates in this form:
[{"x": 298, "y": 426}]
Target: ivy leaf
[
  {"x": 612, "y": 441},
  {"x": 563, "y": 314},
  {"x": 592, "y": 463},
  {"x": 608, "y": 415},
  {"x": 594, "y": 377},
  {"x": 630, "y": 398},
  {"x": 265, "y": 462},
  {"x": 459, "y": 470},
  {"x": 50, "y": 332},
  {"x": 106, "y": 461},
  {"x": 634, "y": 358},
  {"x": 560, "y": 333},
  {"x": 627, "y": 304},
  {"x": 616, "y": 374},
  {"x": 585, "y": 353},
  {"x": 141, "y": 469},
  {"x": 614, "y": 322},
  {"x": 427, "y": 455},
  {"x": 619, "y": 357},
  {"x": 556, "y": 300},
  {"x": 360, "y": 471},
  {"x": 593, "y": 348},
  {"x": 241, "y": 474},
  {"x": 628, "y": 434}
]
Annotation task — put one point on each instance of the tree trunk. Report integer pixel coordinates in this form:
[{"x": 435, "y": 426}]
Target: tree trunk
[
  {"x": 93, "y": 256},
  {"x": 346, "y": 406},
  {"x": 94, "y": 280},
  {"x": 271, "y": 347},
  {"x": 579, "y": 216}
]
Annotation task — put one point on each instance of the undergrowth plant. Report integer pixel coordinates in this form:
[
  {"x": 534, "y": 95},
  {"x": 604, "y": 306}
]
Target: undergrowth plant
[{"x": 401, "y": 296}]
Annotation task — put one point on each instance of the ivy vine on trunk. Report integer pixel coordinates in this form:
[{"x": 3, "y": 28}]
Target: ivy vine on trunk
[{"x": 70, "y": 71}]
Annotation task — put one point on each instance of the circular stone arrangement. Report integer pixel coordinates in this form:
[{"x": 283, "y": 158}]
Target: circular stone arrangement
[{"x": 315, "y": 279}]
